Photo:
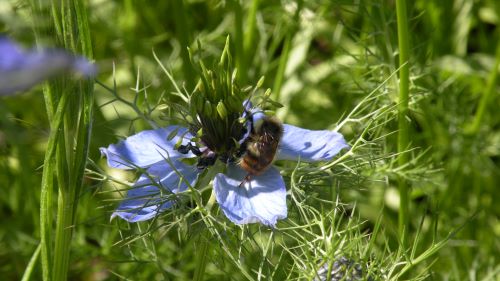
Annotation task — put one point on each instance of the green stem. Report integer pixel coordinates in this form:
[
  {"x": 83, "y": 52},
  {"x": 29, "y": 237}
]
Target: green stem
[
  {"x": 64, "y": 230},
  {"x": 74, "y": 145},
  {"x": 32, "y": 264},
  {"x": 47, "y": 189},
  {"x": 182, "y": 30},
  {"x": 202, "y": 253},
  {"x": 488, "y": 93},
  {"x": 403, "y": 132},
  {"x": 69, "y": 108},
  {"x": 41, "y": 9},
  {"x": 248, "y": 41},
  {"x": 280, "y": 75},
  {"x": 238, "y": 38}
]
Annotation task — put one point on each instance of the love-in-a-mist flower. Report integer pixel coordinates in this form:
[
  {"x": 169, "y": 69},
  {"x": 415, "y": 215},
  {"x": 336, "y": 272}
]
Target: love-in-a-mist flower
[
  {"x": 219, "y": 128},
  {"x": 21, "y": 69},
  {"x": 262, "y": 198}
]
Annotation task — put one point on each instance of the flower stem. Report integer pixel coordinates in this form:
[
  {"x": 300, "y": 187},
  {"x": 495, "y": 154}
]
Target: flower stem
[{"x": 403, "y": 132}]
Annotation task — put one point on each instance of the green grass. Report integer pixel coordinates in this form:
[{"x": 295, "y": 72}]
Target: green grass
[{"x": 331, "y": 64}]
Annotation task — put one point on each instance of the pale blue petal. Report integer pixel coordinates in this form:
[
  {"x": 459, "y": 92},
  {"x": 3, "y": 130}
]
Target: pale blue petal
[
  {"x": 262, "y": 199},
  {"x": 152, "y": 193},
  {"x": 308, "y": 145},
  {"x": 20, "y": 69},
  {"x": 146, "y": 148},
  {"x": 247, "y": 105}
]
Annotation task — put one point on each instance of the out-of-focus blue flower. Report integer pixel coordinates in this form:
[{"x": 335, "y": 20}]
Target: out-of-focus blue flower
[
  {"x": 343, "y": 269},
  {"x": 21, "y": 69},
  {"x": 261, "y": 198}
]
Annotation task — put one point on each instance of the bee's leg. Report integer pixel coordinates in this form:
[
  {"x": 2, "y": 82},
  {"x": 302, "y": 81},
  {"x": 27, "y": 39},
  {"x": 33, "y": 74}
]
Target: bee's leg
[{"x": 245, "y": 180}]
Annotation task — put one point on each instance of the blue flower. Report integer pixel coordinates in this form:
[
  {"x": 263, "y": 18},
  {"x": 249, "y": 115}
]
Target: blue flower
[
  {"x": 261, "y": 198},
  {"x": 20, "y": 69}
]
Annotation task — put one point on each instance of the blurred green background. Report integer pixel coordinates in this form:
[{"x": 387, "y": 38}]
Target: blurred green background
[{"x": 339, "y": 52}]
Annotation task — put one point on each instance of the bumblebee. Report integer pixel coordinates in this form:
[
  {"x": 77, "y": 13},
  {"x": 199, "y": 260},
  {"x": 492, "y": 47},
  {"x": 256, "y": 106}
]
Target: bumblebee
[{"x": 261, "y": 146}]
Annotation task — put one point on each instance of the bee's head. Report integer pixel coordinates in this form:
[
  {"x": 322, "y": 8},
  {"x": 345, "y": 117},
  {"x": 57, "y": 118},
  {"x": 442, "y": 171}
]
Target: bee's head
[
  {"x": 268, "y": 124},
  {"x": 257, "y": 121}
]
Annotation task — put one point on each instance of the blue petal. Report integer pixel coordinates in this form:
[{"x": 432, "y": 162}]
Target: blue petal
[
  {"x": 147, "y": 198},
  {"x": 247, "y": 105},
  {"x": 261, "y": 199},
  {"x": 309, "y": 145},
  {"x": 146, "y": 148},
  {"x": 20, "y": 70}
]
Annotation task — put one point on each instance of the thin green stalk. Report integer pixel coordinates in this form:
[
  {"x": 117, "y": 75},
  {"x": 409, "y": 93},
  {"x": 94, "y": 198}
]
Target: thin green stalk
[
  {"x": 238, "y": 36},
  {"x": 74, "y": 143},
  {"x": 280, "y": 74},
  {"x": 64, "y": 232},
  {"x": 69, "y": 108},
  {"x": 201, "y": 262},
  {"x": 55, "y": 110},
  {"x": 183, "y": 33},
  {"x": 47, "y": 190},
  {"x": 32, "y": 264},
  {"x": 403, "y": 126},
  {"x": 488, "y": 93},
  {"x": 249, "y": 40}
]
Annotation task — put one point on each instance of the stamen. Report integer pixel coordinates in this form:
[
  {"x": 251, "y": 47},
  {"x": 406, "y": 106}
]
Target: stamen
[
  {"x": 185, "y": 149},
  {"x": 245, "y": 180}
]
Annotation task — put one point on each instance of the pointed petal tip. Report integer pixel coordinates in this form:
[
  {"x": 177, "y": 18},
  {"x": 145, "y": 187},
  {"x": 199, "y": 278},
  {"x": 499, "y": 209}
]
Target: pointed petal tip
[
  {"x": 146, "y": 148},
  {"x": 310, "y": 145},
  {"x": 133, "y": 217}
]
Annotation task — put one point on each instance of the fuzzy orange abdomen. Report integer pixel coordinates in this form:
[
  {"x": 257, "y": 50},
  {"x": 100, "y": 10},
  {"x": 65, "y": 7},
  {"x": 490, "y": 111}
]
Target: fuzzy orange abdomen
[{"x": 258, "y": 158}]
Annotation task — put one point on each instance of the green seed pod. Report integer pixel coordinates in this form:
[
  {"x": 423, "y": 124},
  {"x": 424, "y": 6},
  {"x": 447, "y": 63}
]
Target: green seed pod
[
  {"x": 221, "y": 109},
  {"x": 260, "y": 82},
  {"x": 234, "y": 76},
  {"x": 200, "y": 87},
  {"x": 246, "y": 89},
  {"x": 207, "y": 108}
]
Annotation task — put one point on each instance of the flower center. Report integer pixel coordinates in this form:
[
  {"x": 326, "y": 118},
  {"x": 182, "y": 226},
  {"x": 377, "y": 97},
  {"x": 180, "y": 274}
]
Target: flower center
[
  {"x": 216, "y": 113},
  {"x": 223, "y": 141}
]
